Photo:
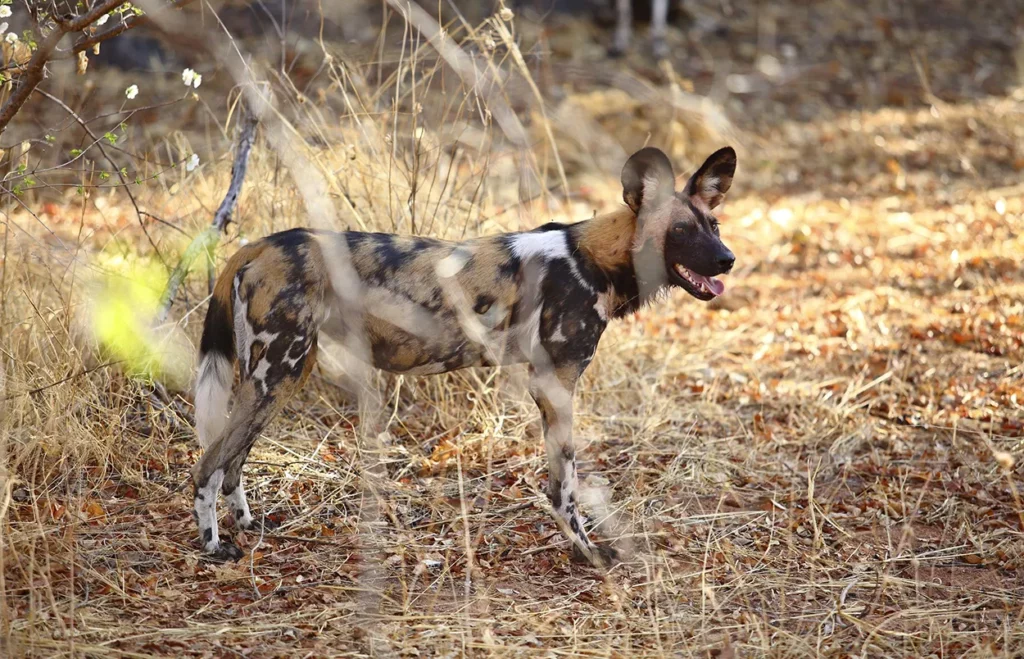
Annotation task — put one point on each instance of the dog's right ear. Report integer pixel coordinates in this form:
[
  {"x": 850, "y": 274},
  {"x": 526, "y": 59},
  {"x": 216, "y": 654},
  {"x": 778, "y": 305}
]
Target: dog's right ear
[{"x": 646, "y": 176}]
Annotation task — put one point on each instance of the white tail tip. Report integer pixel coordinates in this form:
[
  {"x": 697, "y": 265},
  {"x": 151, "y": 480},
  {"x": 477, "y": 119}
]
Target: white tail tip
[{"x": 213, "y": 393}]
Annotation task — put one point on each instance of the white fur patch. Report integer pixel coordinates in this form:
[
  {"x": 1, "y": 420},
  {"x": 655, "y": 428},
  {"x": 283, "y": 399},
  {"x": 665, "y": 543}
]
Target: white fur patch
[
  {"x": 260, "y": 373},
  {"x": 243, "y": 332},
  {"x": 292, "y": 362},
  {"x": 529, "y": 332},
  {"x": 651, "y": 185},
  {"x": 267, "y": 337},
  {"x": 452, "y": 264},
  {"x": 546, "y": 244},
  {"x": 603, "y": 306},
  {"x": 206, "y": 509},
  {"x": 212, "y": 395}
]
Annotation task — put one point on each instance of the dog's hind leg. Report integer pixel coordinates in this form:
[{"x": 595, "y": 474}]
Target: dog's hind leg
[
  {"x": 623, "y": 28},
  {"x": 553, "y": 394},
  {"x": 270, "y": 382},
  {"x": 659, "y": 16}
]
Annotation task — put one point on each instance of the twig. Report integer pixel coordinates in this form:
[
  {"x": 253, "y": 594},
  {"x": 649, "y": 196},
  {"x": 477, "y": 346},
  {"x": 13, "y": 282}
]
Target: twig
[
  {"x": 35, "y": 69},
  {"x": 73, "y": 376},
  {"x": 32, "y": 73},
  {"x": 117, "y": 170},
  {"x": 208, "y": 239},
  {"x": 135, "y": 20}
]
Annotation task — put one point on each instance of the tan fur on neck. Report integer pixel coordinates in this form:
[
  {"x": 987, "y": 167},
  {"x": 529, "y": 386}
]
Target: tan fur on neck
[{"x": 607, "y": 240}]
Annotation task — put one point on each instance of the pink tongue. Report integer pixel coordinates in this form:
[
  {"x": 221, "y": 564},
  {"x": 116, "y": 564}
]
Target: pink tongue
[{"x": 714, "y": 285}]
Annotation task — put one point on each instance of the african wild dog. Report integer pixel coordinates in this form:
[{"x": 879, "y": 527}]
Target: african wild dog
[{"x": 540, "y": 297}]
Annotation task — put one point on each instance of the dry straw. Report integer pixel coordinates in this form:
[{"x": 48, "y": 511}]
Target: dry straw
[{"x": 750, "y": 456}]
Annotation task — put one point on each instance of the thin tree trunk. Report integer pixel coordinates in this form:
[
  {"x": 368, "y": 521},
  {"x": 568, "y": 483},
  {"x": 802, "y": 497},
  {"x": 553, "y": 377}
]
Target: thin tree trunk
[{"x": 205, "y": 242}]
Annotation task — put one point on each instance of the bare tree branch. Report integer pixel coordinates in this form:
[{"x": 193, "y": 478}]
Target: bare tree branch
[
  {"x": 28, "y": 77},
  {"x": 132, "y": 21}
]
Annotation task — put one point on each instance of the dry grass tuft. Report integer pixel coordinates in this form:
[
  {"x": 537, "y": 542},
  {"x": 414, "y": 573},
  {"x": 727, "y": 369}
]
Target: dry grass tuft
[{"x": 827, "y": 461}]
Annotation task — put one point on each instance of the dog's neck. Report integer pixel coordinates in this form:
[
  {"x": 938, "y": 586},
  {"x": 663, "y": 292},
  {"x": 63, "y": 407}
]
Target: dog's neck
[{"x": 606, "y": 242}]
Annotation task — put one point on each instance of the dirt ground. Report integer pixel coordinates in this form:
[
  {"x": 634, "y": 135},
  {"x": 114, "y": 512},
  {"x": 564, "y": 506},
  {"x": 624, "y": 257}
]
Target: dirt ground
[{"x": 827, "y": 461}]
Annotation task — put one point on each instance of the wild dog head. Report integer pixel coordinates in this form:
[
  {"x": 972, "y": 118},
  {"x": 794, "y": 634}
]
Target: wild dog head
[{"x": 677, "y": 240}]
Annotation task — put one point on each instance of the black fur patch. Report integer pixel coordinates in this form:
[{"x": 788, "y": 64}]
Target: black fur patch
[
  {"x": 555, "y": 493},
  {"x": 297, "y": 349},
  {"x": 218, "y": 336},
  {"x": 356, "y": 238},
  {"x": 483, "y": 304},
  {"x": 390, "y": 257},
  {"x": 207, "y": 536},
  {"x": 593, "y": 275},
  {"x": 290, "y": 240}
]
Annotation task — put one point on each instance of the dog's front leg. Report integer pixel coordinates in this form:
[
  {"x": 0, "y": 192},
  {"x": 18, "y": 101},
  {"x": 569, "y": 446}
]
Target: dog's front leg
[{"x": 553, "y": 394}]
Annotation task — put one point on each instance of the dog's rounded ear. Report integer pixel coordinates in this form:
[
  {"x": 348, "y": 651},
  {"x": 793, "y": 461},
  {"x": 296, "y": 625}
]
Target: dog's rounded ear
[
  {"x": 714, "y": 178},
  {"x": 646, "y": 175}
]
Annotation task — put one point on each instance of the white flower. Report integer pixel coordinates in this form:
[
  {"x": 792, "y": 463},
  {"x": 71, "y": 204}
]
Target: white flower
[
  {"x": 190, "y": 77},
  {"x": 3, "y": 27},
  {"x": 132, "y": 92},
  {"x": 192, "y": 162},
  {"x": 11, "y": 37},
  {"x": 103, "y": 19},
  {"x": 5, "y": 11},
  {"x": 505, "y": 14}
]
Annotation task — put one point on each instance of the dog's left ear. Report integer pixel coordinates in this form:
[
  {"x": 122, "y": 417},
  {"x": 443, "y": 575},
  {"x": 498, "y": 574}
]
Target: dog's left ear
[
  {"x": 646, "y": 176},
  {"x": 714, "y": 178}
]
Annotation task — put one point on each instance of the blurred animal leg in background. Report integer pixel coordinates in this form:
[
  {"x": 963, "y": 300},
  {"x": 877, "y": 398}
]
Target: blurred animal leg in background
[
  {"x": 623, "y": 28},
  {"x": 659, "y": 16}
]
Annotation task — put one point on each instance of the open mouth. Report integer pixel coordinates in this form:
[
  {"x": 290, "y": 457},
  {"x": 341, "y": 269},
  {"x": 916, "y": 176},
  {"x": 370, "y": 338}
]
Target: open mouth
[{"x": 699, "y": 286}]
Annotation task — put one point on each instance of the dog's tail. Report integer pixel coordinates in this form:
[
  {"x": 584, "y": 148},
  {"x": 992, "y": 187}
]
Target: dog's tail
[{"x": 217, "y": 351}]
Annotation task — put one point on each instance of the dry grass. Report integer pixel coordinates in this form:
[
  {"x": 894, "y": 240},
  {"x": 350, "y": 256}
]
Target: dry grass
[{"x": 828, "y": 461}]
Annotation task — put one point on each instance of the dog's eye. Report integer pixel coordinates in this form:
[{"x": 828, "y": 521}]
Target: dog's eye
[{"x": 679, "y": 227}]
